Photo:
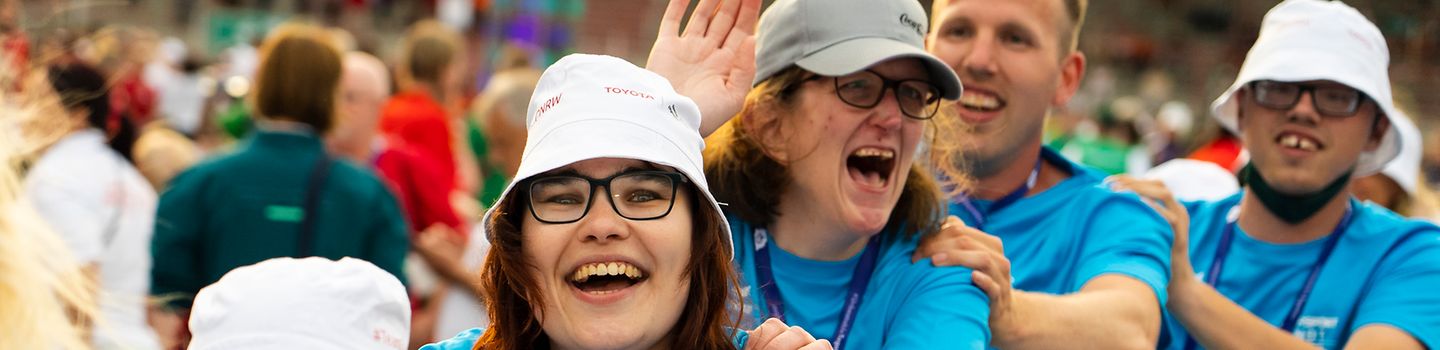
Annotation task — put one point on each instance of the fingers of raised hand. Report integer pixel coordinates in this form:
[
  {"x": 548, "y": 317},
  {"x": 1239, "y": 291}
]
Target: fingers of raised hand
[
  {"x": 674, "y": 13},
  {"x": 743, "y": 32},
  {"x": 722, "y": 23},
  {"x": 700, "y": 20}
]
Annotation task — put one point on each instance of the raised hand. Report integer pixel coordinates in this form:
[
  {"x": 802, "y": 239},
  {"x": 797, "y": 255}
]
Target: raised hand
[{"x": 713, "y": 61}]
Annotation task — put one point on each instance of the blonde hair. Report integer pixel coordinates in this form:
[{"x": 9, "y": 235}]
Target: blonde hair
[{"x": 46, "y": 297}]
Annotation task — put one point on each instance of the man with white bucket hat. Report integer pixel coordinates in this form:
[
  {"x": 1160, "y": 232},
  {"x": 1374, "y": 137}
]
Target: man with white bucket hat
[{"x": 1295, "y": 261}]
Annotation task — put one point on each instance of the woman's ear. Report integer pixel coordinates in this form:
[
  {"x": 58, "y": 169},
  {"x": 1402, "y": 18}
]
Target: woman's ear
[{"x": 763, "y": 125}]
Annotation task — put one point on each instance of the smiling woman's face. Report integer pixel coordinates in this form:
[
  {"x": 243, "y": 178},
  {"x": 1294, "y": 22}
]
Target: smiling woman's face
[{"x": 608, "y": 282}]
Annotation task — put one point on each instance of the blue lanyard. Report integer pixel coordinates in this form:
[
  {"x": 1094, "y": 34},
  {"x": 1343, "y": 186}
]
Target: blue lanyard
[
  {"x": 1006, "y": 201},
  {"x": 776, "y": 306},
  {"x": 1212, "y": 277}
]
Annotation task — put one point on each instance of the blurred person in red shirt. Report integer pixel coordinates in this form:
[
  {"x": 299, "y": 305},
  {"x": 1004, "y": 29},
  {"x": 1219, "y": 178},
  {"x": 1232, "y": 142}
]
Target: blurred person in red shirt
[
  {"x": 404, "y": 167},
  {"x": 429, "y": 80}
]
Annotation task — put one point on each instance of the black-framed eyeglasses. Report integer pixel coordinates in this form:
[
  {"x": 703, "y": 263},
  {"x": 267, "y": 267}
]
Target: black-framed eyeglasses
[
  {"x": 917, "y": 98},
  {"x": 635, "y": 195},
  {"x": 1329, "y": 100}
]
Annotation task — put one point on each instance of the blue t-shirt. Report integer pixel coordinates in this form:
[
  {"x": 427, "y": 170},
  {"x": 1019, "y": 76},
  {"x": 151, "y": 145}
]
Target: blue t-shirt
[
  {"x": 905, "y": 306},
  {"x": 1079, "y": 229},
  {"x": 463, "y": 341},
  {"x": 1384, "y": 270}
]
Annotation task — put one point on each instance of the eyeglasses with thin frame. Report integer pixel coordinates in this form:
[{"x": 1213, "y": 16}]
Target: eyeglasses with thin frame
[
  {"x": 1329, "y": 100},
  {"x": 635, "y": 195},
  {"x": 918, "y": 99}
]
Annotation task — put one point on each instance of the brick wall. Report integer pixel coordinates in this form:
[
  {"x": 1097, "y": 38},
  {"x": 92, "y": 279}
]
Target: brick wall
[{"x": 622, "y": 28}]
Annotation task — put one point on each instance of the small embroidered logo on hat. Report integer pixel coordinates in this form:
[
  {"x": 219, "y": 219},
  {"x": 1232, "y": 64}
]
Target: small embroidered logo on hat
[
  {"x": 905, "y": 19},
  {"x": 620, "y": 91},
  {"x": 548, "y": 104}
]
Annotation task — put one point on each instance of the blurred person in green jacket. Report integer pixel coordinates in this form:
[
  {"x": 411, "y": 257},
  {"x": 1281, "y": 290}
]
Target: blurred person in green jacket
[{"x": 279, "y": 194}]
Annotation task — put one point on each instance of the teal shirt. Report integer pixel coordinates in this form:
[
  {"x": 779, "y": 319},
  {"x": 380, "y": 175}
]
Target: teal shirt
[
  {"x": 1062, "y": 238},
  {"x": 246, "y": 207},
  {"x": 1385, "y": 270},
  {"x": 463, "y": 341},
  {"x": 906, "y": 306}
]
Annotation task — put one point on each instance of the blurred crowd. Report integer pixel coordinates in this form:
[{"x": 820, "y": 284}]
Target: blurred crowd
[{"x": 409, "y": 159}]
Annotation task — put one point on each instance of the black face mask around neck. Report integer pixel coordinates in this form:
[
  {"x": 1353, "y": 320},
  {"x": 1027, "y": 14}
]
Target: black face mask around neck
[{"x": 1291, "y": 208}]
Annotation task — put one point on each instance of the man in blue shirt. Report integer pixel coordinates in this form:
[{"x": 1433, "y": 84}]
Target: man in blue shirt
[
  {"x": 1295, "y": 261},
  {"x": 1090, "y": 265}
]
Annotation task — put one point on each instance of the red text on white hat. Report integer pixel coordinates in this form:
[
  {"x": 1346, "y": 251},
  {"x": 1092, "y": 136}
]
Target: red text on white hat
[
  {"x": 620, "y": 91},
  {"x": 548, "y": 104}
]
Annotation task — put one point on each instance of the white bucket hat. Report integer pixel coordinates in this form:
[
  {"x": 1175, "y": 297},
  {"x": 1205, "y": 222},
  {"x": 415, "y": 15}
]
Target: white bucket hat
[
  {"x": 1304, "y": 40},
  {"x": 591, "y": 106},
  {"x": 839, "y": 37},
  {"x": 1195, "y": 180},
  {"x": 1405, "y": 168},
  {"x": 311, "y": 303}
]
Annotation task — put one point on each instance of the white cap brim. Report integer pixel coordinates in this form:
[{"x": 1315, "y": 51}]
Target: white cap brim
[{"x": 852, "y": 55}]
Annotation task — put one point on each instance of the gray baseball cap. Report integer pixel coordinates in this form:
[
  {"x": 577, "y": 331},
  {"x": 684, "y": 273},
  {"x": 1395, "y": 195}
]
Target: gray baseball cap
[{"x": 839, "y": 37}]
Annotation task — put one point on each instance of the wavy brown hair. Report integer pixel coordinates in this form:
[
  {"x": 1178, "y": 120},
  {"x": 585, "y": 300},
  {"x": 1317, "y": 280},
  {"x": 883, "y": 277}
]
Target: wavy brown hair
[
  {"x": 742, "y": 173},
  {"x": 512, "y": 296}
]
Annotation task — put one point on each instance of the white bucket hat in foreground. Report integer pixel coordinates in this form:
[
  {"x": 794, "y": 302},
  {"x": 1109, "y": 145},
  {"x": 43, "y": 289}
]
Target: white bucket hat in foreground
[
  {"x": 590, "y": 106},
  {"x": 311, "y": 303},
  {"x": 1319, "y": 40},
  {"x": 839, "y": 37}
]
